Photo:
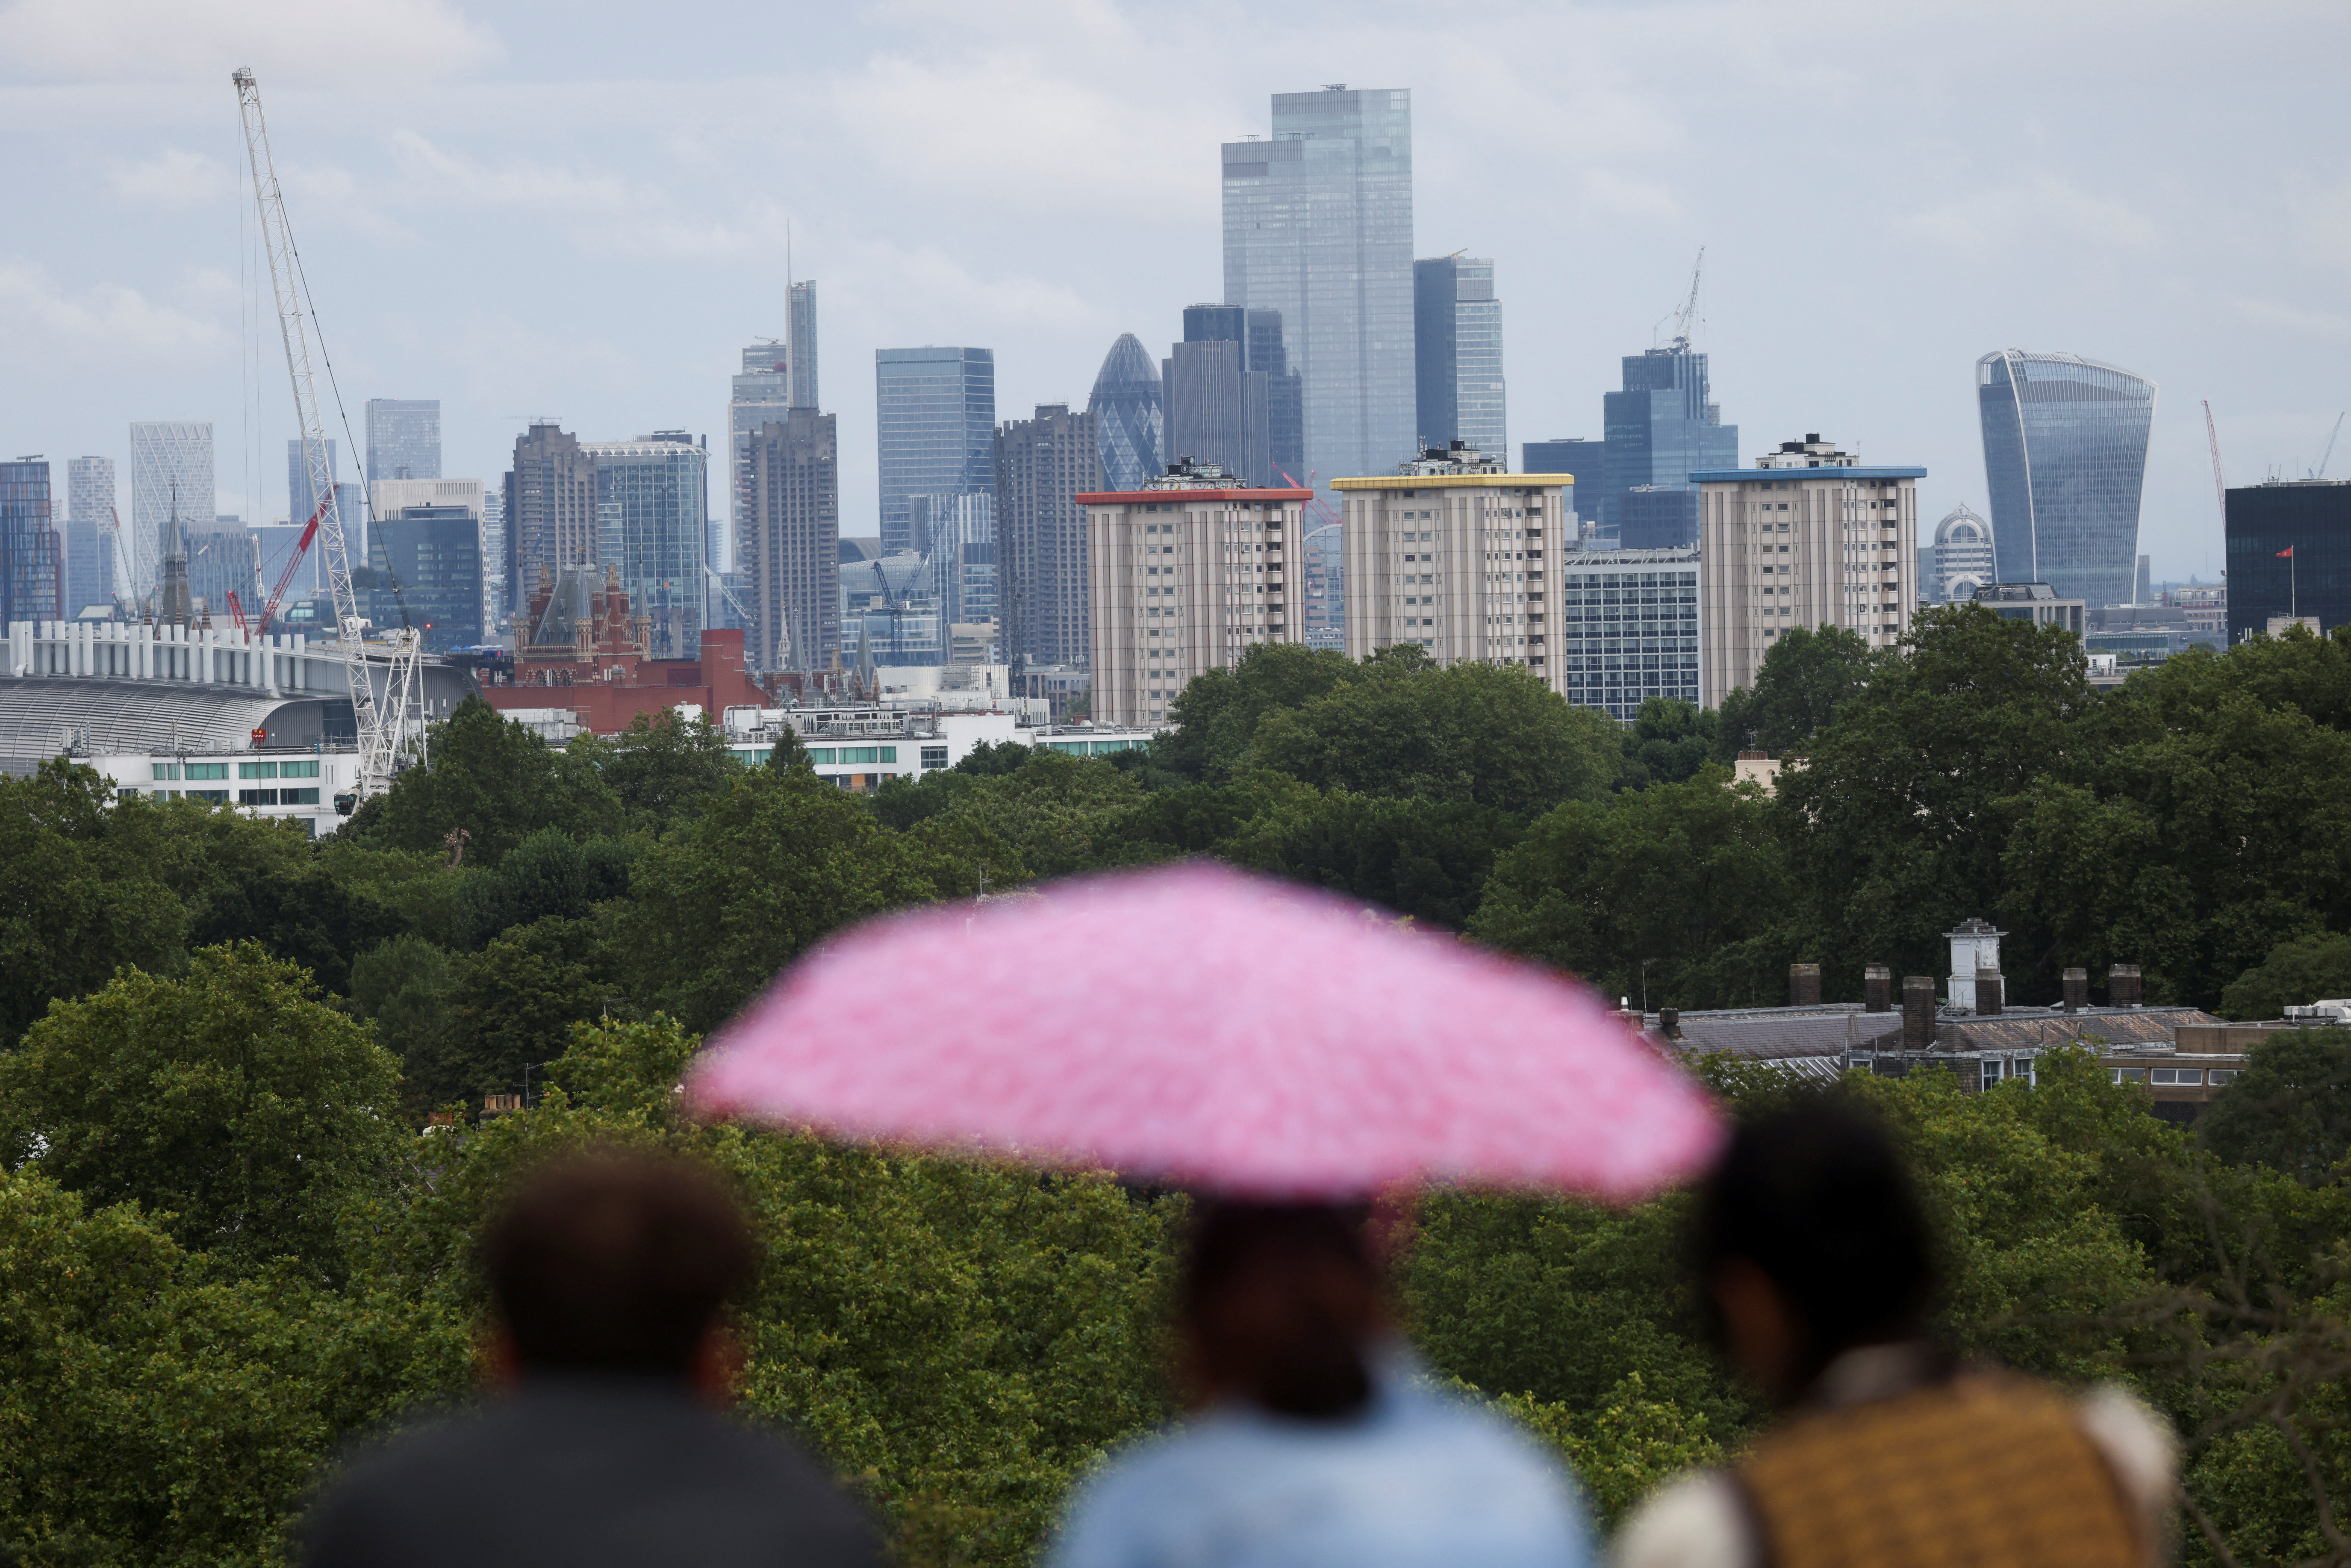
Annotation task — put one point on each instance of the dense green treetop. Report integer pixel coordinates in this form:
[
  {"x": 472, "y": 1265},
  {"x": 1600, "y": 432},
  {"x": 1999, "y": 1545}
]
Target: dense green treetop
[
  {"x": 663, "y": 769},
  {"x": 497, "y": 782},
  {"x": 232, "y": 1102},
  {"x": 1217, "y": 716},
  {"x": 2293, "y": 974},
  {"x": 2289, "y": 1109},
  {"x": 1807, "y": 674},
  {"x": 1667, "y": 742}
]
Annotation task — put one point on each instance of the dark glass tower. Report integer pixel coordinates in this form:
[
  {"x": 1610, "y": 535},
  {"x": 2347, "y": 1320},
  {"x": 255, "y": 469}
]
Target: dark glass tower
[
  {"x": 1218, "y": 404},
  {"x": 1042, "y": 466},
  {"x": 2312, "y": 518},
  {"x": 32, "y": 585},
  {"x": 1125, "y": 406},
  {"x": 434, "y": 553},
  {"x": 403, "y": 438},
  {"x": 935, "y": 421},
  {"x": 1662, "y": 428},
  {"x": 1285, "y": 397},
  {"x": 2064, "y": 443},
  {"x": 1457, "y": 354}
]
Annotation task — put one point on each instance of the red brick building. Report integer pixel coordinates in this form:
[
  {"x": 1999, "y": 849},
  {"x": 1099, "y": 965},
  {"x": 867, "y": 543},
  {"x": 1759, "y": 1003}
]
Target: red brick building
[{"x": 585, "y": 651}]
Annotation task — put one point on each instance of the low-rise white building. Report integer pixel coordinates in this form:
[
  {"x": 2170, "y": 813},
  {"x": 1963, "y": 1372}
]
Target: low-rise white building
[{"x": 863, "y": 747}]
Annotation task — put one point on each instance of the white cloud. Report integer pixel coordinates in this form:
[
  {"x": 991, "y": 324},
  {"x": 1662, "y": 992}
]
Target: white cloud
[
  {"x": 512, "y": 184},
  {"x": 2041, "y": 208},
  {"x": 174, "y": 180},
  {"x": 37, "y": 315},
  {"x": 2297, "y": 319},
  {"x": 119, "y": 40}
]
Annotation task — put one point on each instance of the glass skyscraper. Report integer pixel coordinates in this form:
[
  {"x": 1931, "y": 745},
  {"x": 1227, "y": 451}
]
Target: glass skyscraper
[
  {"x": 935, "y": 425},
  {"x": 1660, "y": 429},
  {"x": 434, "y": 555},
  {"x": 403, "y": 438},
  {"x": 2064, "y": 441},
  {"x": 1126, "y": 410},
  {"x": 168, "y": 457},
  {"x": 800, "y": 331},
  {"x": 1458, "y": 338},
  {"x": 762, "y": 396},
  {"x": 652, "y": 499},
  {"x": 1318, "y": 226},
  {"x": 90, "y": 533},
  {"x": 32, "y": 583}
]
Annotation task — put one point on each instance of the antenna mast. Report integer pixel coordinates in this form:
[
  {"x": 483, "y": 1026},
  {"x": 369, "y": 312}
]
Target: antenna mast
[{"x": 379, "y": 734}]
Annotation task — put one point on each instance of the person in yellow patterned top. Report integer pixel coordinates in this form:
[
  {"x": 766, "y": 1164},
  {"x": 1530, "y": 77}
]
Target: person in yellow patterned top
[{"x": 1817, "y": 1263}]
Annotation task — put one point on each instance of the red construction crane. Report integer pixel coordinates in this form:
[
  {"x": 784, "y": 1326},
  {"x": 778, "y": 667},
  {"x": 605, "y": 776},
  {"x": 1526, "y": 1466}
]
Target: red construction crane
[
  {"x": 236, "y": 613},
  {"x": 293, "y": 565}
]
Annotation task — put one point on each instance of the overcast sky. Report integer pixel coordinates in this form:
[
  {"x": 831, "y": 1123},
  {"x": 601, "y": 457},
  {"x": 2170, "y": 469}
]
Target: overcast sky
[{"x": 529, "y": 208}]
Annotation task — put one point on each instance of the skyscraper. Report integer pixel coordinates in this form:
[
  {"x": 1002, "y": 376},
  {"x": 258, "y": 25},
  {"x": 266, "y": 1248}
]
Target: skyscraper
[
  {"x": 935, "y": 428},
  {"x": 90, "y": 533},
  {"x": 223, "y": 557},
  {"x": 1285, "y": 405},
  {"x": 168, "y": 457},
  {"x": 1660, "y": 429},
  {"x": 1318, "y": 226},
  {"x": 653, "y": 503},
  {"x": 403, "y": 438},
  {"x": 1041, "y": 465},
  {"x": 1216, "y": 407},
  {"x": 799, "y": 333},
  {"x": 762, "y": 394},
  {"x": 1587, "y": 461},
  {"x": 1456, "y": 328},
  {"x": 550, "y": 510},
  {"x": 350, "y": 502},
  {"x": 2064, "y": 443},
  {"x": 31, "y": 581},
  {"x": 1127, "y": 414},
  {"x": 433, "y": 553},
  {"x": 790, "y": 552}
]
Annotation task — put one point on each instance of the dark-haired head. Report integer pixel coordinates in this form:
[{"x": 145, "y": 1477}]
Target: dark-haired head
[
  {"x": 616, "y": 1261},
  {"x": 1811, "y": 1242},
  {"x": 1279, "y": 1305}
]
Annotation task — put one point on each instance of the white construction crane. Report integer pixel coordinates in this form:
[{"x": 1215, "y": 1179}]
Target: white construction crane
[
  {"x": 1686, "y": 316},
  {"x": 388, "y": 729}
]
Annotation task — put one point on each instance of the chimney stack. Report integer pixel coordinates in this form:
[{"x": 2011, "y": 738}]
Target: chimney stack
[
  {"x": 1918, "y": 1012},
  {"x": 1876, "y": 988},
  {"x": 1669, "y": 1022},
  {"x": 2121, "y": 984},
  {"x": 2077, "y": 990},
  {"x": 1803, "y": 984},
  {"x": 1987, "y": 992}
]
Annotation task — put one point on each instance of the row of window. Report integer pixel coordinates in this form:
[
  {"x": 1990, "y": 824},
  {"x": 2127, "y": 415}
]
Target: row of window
[
  {"x": 309, "y": 796},
  {"x": 173, "y": 772},
  {"x": 2182, "y": 1076}
]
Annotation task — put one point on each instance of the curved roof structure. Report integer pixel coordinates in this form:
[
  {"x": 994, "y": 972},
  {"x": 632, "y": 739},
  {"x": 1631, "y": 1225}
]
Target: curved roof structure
[
  {"x": 1962, "y": 526},
  {"x": 1125, "y": 403},
  {"x": 42, "y": 718},
  {"x": 2064, "y": 440}
]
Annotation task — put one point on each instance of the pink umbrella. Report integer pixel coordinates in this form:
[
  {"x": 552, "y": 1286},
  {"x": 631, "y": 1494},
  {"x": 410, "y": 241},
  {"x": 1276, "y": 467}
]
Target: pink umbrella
[{"x": 1198, "y": 1025}]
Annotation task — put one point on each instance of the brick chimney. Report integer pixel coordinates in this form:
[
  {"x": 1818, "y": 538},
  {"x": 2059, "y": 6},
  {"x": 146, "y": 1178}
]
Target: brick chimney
[
  {"x": 1876, "y": 988},
  {"x": 1803, "y": 984},
  {"x": 2077, "y": 990},
  {"x": 1669, "y": 1022},
  {"x": 1989, "y": 992},
  {"x": 1918, "y": 1012},
  {"x": 2122, "y": 986}
]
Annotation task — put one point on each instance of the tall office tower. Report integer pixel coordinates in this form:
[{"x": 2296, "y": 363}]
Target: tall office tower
[
  {"x": 550, "y": 510},
  {"x": 350, "y": 500},
  {"x": 426, "y": 567},
  {"x": 2064, "y": 441},
  {"x": 2289, "y": 556},
  {"x": 1808, "y": 537},
  {"x": 276, "y": 543},
  {"x": 1285, "y": 405},
  {"x": 1454, "y": 553},
  {"x": 1322, "y": 564},
  {"x": 653, "y": 521},
  {"x": 1185, "y": 575},
  {"x": 959, "y": 575},
  {"x": 799, "y": 334},
  {"x": 1457, "y": 333},
  {"x": 168, "y": 457},
  {"x": 2143, "y": 587},
  {"x": 1584, "y": 462},
  {"x": 790, "y": 552},
  {"x": 1629, "y": 628},
  {"x": 90, "y": 533},
  {"x": 1216, "y": 407},
  {"x": 403, "y": 438},
  {"x": 763, "y": 393},
  {"x": 32, "y": 574},
  {"x": 1662, "y": 428},
  {"x": 494, "y": 557},
  {"x": 1041, "y": 465},
  {"x": 1318, "y": 226},
  {"x": 1127, "y": 414},
  {"x": 1962, "y": 557},
  {"x": 223, "y": 557},
  {"x": 935, "y": 427}
]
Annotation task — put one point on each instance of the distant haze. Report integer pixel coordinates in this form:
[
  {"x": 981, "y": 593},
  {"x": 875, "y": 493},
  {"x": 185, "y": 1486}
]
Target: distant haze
[{"x": 579, "y": 209}]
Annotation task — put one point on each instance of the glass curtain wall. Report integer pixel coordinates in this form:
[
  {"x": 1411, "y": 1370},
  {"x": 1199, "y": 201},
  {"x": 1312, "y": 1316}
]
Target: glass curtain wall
[{"x": 2064, "y": 443}]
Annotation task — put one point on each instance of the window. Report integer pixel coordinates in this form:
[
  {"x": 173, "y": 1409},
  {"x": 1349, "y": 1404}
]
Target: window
[
  {"x": 889, "y": 754},
  {"x": 2222, "y": 1075},
  {"x": 167, "y": 771},
  {"x": 209, "y": 770},
  {"x": 309, "y": 796},
  {"x": 934, "y": 756},
  {"x": 822, "y": 754},
  {"x": 298, "y": 769},
  {"x": 217, "y": 797},
  {"x": 257, "y": 771},
  {"x": 2131, "y": 1074},
  {"x": 123, "y": 794},
  {"x": 2176, "y": 1075},
  {"x": 257, "y": 797}
]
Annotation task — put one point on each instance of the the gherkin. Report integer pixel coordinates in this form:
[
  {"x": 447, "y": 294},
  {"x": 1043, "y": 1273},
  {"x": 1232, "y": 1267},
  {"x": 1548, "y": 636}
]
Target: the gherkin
[{"x": 1125, "y": 406}]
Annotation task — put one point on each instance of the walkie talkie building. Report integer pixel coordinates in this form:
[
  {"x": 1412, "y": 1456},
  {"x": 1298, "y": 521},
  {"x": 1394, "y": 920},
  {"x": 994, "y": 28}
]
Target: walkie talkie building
[{"x": 2064, "y": 441}]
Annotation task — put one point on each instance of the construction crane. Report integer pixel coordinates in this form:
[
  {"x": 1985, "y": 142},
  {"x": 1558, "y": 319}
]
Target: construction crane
[
  {"x": 236, "y": 613},
  {"x": 2220, "y": 487},
  {"x": 1686, "y": 317},
  {"x": 385, "y": 738},
  {"x": 2330, "y": 449}
]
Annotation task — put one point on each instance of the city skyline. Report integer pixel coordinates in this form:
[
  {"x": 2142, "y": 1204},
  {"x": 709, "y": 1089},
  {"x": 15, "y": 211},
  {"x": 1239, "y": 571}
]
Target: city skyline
[{"x": 2048, "y": 227}]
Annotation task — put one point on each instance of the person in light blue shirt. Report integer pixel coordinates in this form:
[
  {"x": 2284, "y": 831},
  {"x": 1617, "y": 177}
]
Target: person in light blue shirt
[{"x": 1316, "y": 1438}]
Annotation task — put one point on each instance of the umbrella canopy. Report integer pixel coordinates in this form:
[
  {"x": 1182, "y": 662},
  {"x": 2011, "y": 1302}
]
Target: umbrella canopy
[{"x": 1198, "y": 1025}]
